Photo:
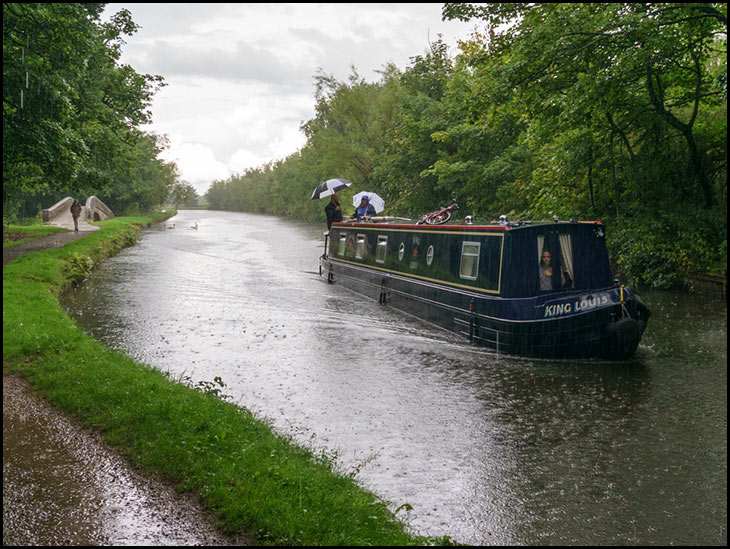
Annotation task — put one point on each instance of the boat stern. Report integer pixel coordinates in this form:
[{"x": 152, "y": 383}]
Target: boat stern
[{"x": 626, "y": 330}]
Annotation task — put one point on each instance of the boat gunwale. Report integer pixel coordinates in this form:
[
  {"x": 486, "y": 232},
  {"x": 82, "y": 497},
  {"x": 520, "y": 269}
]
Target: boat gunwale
[{"x": 546, "y": 297}]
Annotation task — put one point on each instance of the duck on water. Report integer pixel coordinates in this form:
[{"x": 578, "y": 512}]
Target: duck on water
[{"x": 536, "y": 289}]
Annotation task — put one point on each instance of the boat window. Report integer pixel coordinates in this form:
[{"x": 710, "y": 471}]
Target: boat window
[
  {"x": 382, "y": 249},
  {"x": 546, "y": 258},
  {"x": 343, "y": 243},
  {"x": 360, "y": 246},
  {"x": 469, "y": 268},
  {"x": 429, "y": 255},
  {"x": 401, "y": 251}
]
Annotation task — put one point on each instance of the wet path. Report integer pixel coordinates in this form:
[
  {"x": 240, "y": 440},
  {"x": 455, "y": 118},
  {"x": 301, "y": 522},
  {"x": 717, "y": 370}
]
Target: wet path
[{"x": 62, "y": 485}]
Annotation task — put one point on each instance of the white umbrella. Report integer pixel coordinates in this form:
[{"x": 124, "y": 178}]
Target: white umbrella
[
  {"x": 377, "y": 202},
  {"x": 329, "y": 187}
]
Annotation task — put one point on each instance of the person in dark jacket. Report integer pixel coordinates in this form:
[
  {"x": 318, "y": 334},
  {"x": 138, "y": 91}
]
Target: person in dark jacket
[
  {"x": 333, "y": 211},
  {"x": 75, "y": 213}
]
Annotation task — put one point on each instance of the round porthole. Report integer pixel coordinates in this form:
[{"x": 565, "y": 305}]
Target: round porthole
[
  {"x": 429, "y": 255},
  {"x": 401, "y": 250}
]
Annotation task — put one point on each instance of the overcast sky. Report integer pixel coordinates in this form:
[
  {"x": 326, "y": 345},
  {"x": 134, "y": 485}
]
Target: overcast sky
[{"x": 240, "y": 76}]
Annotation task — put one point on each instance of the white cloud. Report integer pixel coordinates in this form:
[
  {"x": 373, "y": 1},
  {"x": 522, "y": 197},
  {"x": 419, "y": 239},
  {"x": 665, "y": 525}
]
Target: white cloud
[
  {"x": 197, "y": 163},
  {"x": 245, "y": 63},
  {"x": 290, "y": 141},
  {"x": 243, "y": 160},
  {"x": 240, "y": 76}
]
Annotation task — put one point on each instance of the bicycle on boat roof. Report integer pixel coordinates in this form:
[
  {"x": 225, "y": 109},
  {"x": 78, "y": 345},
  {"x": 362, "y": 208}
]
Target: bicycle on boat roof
[{"x": 438, "y": 217}]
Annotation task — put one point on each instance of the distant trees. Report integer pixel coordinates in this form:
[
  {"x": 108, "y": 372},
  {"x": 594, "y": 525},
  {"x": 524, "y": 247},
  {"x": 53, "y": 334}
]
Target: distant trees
[
  {"x": 145, "y": 182},
  {"x": 344, "y": 139},
  {"x": 71, "y": 112},
  {"x": 183, "y": 194}
]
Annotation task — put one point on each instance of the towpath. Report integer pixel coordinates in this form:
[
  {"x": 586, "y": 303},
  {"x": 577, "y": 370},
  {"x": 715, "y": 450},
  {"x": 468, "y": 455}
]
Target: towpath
[
  {"x": 46, "y": 243},
  {"x": 63, "y": 485},
  {"x": 64, "y": 221}
]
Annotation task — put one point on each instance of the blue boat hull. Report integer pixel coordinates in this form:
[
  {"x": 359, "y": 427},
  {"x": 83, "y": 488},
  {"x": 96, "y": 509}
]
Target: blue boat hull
[{"x": 606, "y": 323}]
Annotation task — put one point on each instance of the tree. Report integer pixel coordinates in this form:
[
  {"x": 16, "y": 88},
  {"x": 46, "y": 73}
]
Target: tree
[
  {"x": 183, "y": 194},
  {"x": 70, "y": 112},
  {"x": 403, "y": 167},
  {"x": 146, "y": 180},
  {"x": 616, "y": 68},
  {"x": 350, "y": 123}
]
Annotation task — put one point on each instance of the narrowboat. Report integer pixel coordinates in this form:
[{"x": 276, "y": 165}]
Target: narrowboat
[{"x": 535, "y": 289}]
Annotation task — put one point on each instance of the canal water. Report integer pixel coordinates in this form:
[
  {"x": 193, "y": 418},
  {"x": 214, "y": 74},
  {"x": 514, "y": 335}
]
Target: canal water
[{"x": 487, "y": 449}]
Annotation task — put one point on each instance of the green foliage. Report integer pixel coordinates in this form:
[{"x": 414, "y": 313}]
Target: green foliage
[
  {"x": 664, "y": 250},
  {"x": 78, "y": 267},
  {"x": 183, "y": 194},
  {"x": 72, "y": 112}
]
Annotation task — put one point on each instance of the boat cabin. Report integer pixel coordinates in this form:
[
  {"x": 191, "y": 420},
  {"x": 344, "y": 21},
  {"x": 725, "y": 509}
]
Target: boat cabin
[{"x": 509, "y": 260}]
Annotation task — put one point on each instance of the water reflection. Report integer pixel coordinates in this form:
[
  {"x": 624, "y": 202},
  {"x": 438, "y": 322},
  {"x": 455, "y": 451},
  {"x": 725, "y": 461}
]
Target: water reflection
[{"x": 487, "y": 449}]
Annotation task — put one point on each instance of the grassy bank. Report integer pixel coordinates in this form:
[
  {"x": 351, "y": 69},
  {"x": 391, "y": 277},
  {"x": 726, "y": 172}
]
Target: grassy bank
[
  {"x": 14, "y": 235},
  {"x": 252, "y": 479}
]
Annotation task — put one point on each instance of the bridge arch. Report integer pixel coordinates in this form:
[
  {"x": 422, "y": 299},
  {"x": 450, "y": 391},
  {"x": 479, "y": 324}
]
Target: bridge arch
[{"x": 94, "y": 210}]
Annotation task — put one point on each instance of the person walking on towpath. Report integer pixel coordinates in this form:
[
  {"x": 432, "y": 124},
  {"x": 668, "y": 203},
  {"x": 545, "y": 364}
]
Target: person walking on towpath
[{"x": 75, "y": 213}]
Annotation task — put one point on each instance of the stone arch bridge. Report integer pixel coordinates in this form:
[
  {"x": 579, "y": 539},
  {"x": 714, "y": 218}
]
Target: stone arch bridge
[{"x": 59, "y": 214}]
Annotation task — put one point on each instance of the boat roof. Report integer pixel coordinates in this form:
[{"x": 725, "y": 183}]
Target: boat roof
[{"x": 461, "y": 226}]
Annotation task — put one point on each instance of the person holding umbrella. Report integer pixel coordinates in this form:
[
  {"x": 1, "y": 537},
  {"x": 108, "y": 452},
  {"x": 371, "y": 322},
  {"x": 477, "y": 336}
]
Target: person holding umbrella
[
  {"x": 365, "y": 209},
  {"x": 330, "y": 188},
  {"x": 333, "y": 211}
]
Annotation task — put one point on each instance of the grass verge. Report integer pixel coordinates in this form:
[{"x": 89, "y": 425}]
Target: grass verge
[
  {"x": 253, "y": 480},
  {"x": 14, "y": 235}
]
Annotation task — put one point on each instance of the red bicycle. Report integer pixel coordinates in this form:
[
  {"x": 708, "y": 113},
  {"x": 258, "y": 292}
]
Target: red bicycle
[{"x": 439, "y": 217}]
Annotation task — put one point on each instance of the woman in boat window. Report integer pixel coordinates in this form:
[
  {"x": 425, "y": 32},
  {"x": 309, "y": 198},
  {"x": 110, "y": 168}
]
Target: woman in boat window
[{"x": 546, "y": 272}]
